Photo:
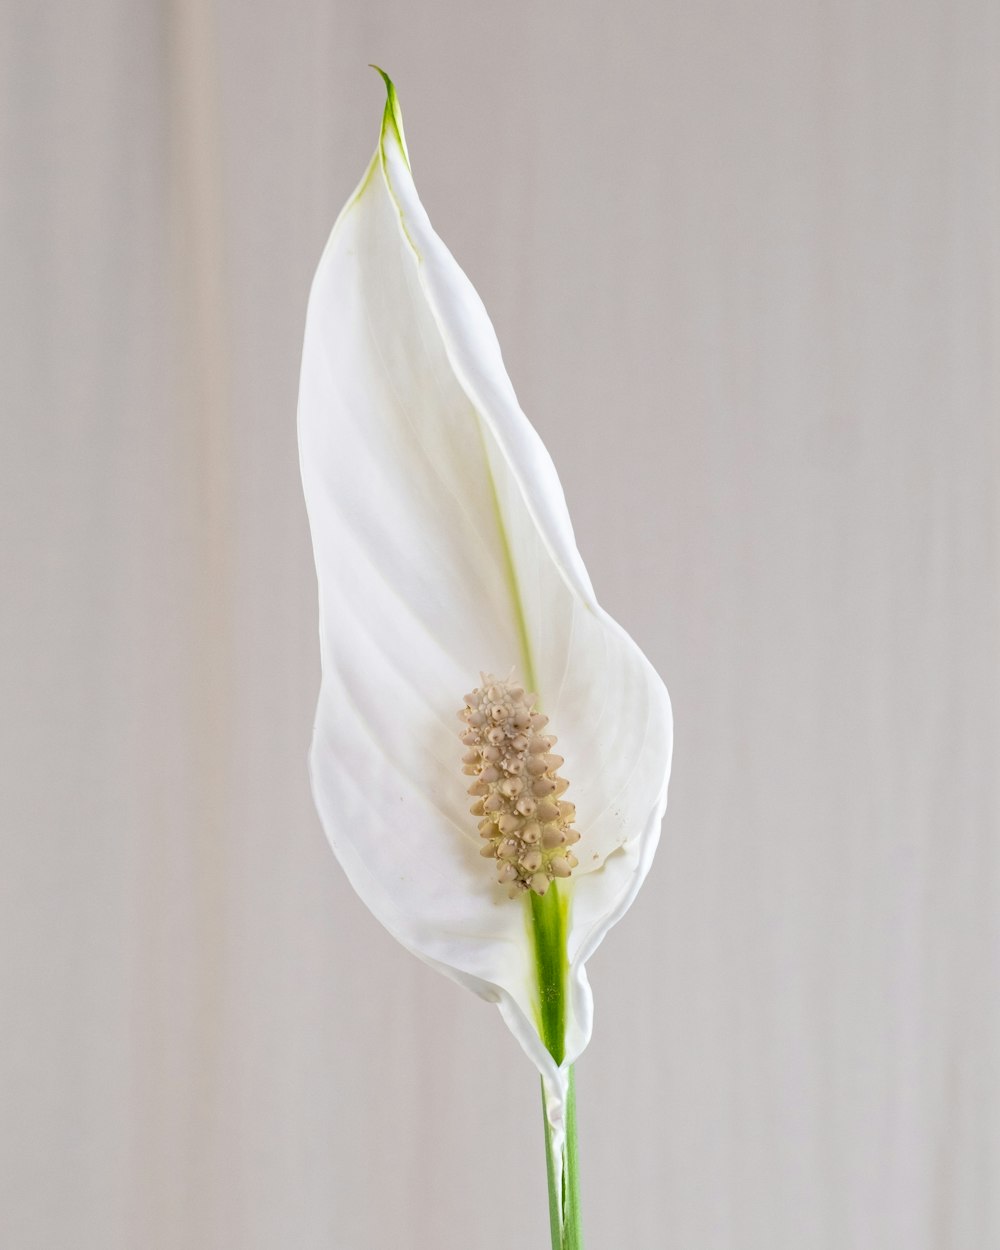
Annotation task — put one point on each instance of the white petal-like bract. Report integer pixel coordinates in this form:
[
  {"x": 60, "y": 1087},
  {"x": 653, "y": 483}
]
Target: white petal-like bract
[{"x": 444, "y": 548}]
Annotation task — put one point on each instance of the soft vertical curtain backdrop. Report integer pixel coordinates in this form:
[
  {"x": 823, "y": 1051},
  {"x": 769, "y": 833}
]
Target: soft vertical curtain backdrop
[{"x": 744, "y": 263}]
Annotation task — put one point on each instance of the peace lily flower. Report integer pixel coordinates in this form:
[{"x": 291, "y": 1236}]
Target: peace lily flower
[{"x": 446, "y": 564}]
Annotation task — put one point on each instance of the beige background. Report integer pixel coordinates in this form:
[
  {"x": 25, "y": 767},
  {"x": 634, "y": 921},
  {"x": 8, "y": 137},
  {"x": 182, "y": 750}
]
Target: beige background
[{"x": 744, "y": 260}]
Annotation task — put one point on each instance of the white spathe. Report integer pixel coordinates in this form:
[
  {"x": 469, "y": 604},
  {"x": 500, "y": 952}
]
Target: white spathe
[{"x": 444, "y": 547}]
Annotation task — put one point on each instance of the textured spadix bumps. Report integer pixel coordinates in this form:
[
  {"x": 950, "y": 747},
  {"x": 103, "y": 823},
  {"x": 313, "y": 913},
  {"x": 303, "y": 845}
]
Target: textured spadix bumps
[
  {"x": 518, "y": 792},
  {"x": 444, "y": 546}
]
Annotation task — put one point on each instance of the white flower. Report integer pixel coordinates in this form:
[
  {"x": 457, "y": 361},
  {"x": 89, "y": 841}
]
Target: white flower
[{"x": 444, "y": 549}]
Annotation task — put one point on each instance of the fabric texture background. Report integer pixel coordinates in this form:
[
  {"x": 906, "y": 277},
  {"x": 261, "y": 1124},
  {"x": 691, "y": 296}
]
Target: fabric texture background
[{"x": 744, "y": 261}]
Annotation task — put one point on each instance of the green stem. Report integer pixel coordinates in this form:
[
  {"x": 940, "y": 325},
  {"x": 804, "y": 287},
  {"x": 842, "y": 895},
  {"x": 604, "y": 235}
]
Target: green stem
[
  {"x": 572, "y": 1228},
  {"x": 549, "y": 927},
  {"x": 564, "y": 1206}
]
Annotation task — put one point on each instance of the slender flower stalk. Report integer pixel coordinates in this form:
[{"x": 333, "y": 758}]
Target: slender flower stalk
[{"x": 443, "y": 549}]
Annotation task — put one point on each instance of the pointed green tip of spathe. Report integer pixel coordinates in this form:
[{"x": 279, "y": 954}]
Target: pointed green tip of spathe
[{"x": 393, "y": 115}]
